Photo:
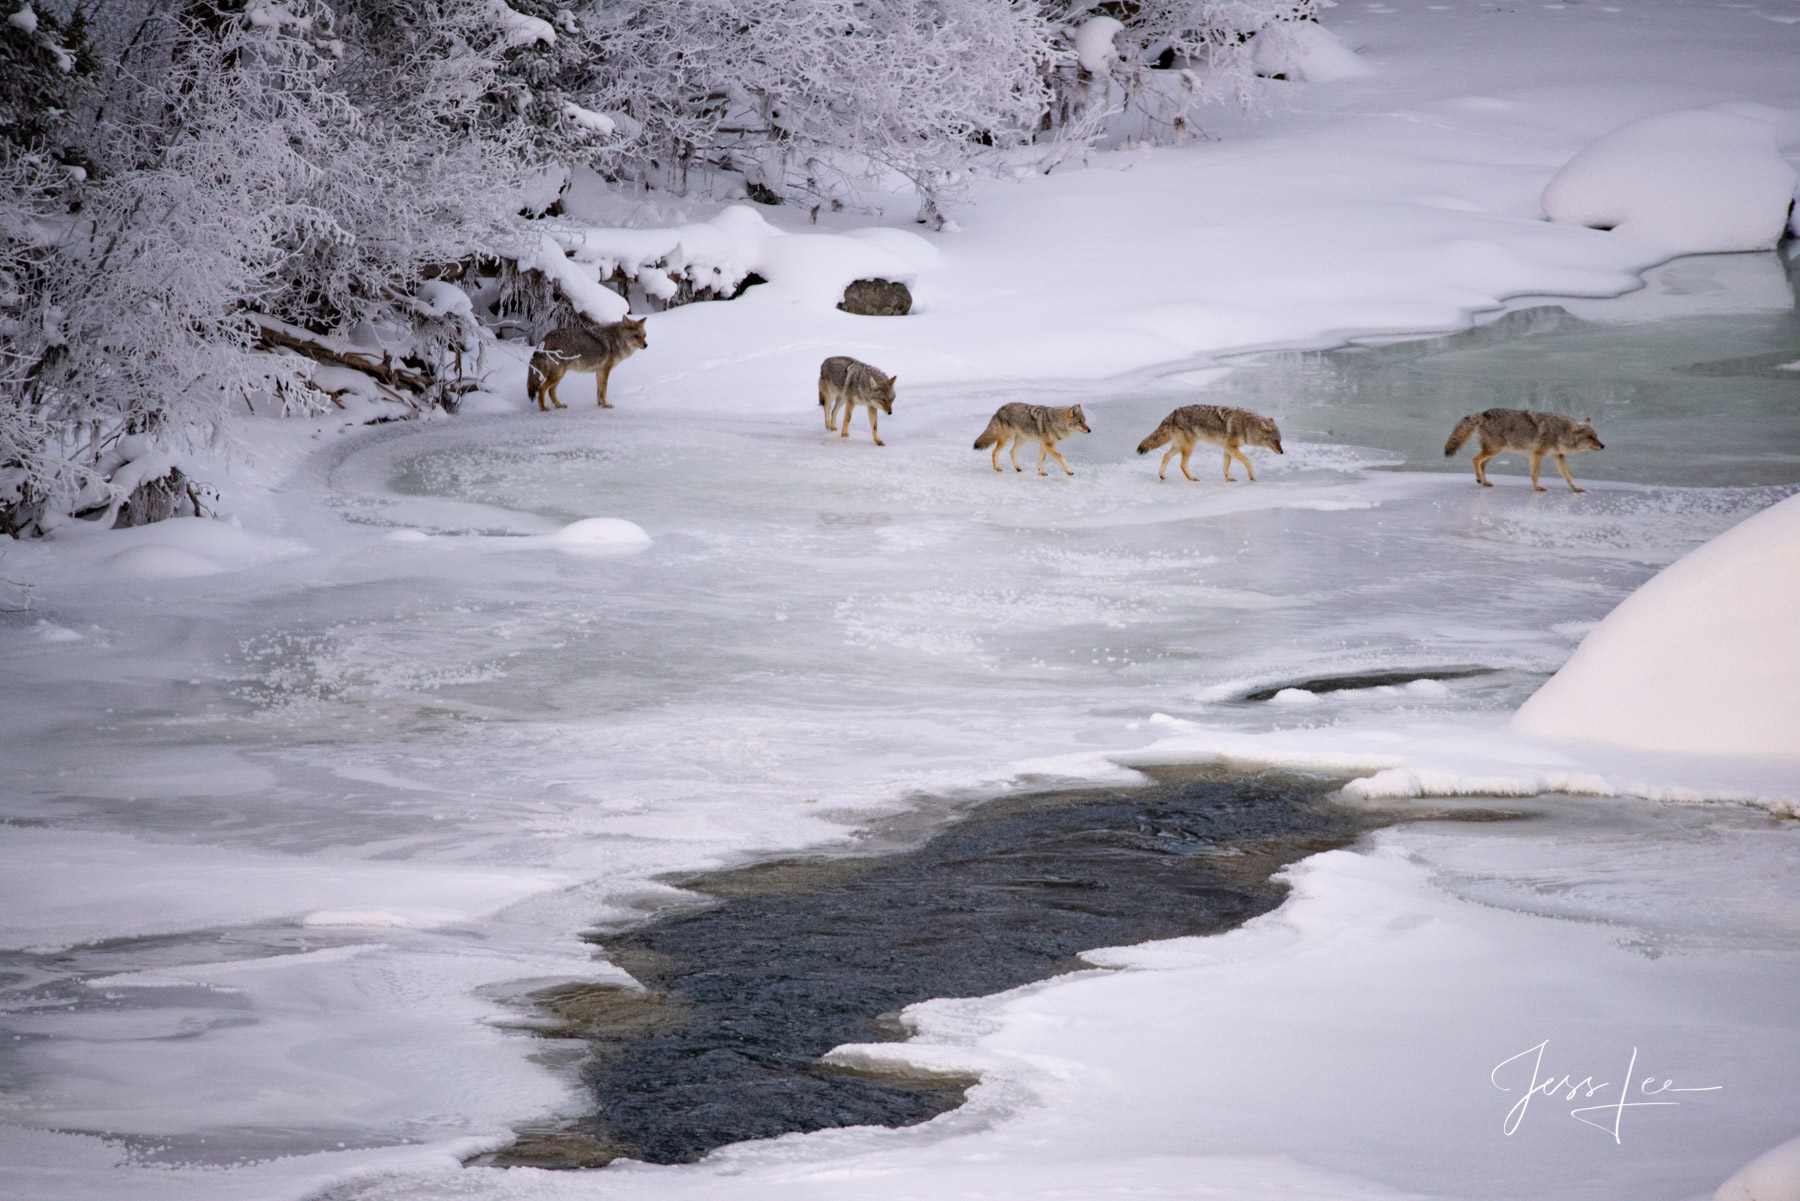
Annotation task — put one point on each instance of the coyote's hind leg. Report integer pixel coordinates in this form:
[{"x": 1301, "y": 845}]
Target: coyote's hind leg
[{"x": 1481, "y": 462}]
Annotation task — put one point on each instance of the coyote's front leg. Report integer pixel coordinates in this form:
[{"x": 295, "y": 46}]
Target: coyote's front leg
[{"x": 1563, "y": 465}]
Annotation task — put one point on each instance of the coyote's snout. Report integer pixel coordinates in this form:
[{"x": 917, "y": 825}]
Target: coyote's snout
[
  {"x": 1221, "y": 425},
  {"x": 581, "y": 348},
  {"x": 845, "y": 383},
  {"x": 1533, "y": 434},
  {"x": 1016, "y": 423}
]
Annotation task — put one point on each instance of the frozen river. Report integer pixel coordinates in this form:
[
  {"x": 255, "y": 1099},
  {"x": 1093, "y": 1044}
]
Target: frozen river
[{"x": 286, "y": 841}]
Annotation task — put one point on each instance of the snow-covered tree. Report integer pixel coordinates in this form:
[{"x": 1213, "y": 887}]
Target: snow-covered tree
[
  {"x": 257, "y": 175},
  {"x": 812, "y": 97}
]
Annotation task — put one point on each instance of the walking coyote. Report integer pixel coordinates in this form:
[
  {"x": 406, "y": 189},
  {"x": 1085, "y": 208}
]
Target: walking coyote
[
  {"x": 1221, "y": 425},
  {"x": 581, "y": 348},
  {"x": 1015, "y": 423},
  {"x": 1533, "y": 434},
  {"x": 844, "y": 383}
]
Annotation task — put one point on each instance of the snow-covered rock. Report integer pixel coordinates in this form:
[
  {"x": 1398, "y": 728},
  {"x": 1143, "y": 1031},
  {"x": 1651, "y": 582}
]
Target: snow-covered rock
[
  {"x": 1703, "y": 659},
  {"x": 1703, "y": 181},
  {"x": 1305, "y": 52},
  {"x": 1772, "y": 1176},
  {"x": 599, "y": 536}
]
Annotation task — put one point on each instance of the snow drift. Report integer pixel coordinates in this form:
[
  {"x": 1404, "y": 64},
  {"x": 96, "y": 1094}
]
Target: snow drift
[
  {"x": 1772, "y": 1176},
  {"x": 1306, "y": 53},
  {"x": 1702, "y": 181},
  {"x": 1704, "y": 658}
]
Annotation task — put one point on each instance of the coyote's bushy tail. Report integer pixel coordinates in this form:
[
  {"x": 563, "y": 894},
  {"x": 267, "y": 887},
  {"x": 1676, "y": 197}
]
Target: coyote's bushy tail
[
  {"x": 1461, "y": 433},
  {"x": 990, "y": 435},
  {"x": 1162, "y": 434}
]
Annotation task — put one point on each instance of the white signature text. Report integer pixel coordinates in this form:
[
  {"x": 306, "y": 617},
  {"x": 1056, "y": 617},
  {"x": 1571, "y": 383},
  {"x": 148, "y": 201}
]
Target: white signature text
[{"x": 1509, "y": 1074}]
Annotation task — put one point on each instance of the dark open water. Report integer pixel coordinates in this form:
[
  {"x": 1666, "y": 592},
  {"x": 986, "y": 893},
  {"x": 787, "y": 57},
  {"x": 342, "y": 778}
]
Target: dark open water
[{"x": 799, "y": 956}]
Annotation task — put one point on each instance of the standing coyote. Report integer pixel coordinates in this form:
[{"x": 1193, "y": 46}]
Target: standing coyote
[
  {"x": 844, "y": 383},
  {"x": 1534, "y": 434},
  {"x": 596, "y": 348},
  {"x": 1015, "y": 423},
  {"x": 1221, "y": 425}
]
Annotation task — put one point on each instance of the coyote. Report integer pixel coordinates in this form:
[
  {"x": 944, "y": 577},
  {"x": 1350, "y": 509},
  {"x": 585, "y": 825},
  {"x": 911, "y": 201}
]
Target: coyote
[
  {"x": 1016, "y": 423},
  {"x": 596, "y": 348},
  {"x": 1221, "y": 425},
  {"x": 1534, "y": 434},
  {"x": 844, "y": 383}
]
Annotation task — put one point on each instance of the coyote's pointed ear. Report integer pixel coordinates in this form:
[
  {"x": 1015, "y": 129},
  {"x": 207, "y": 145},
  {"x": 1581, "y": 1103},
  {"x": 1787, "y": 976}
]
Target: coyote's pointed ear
[{"x": 892, "y": 380}]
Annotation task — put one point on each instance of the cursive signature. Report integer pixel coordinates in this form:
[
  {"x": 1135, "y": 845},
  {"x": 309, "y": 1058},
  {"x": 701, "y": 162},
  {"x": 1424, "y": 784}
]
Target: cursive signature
[{"x": 1585, "y": 1089}]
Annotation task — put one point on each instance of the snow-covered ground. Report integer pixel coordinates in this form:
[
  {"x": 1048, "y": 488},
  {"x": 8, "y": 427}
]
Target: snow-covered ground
[{"x": 294, "y": 803}]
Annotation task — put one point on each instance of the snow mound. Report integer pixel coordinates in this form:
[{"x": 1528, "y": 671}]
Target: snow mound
[
  {"x": 1772, "y": 1176},
  {"x": 1294, "y": 696},
  {"x": 1306, "y": 53},
  {"x": 1702, "y": 181},
  {"x": 1703, "y": 659},
  {"x": 160, "y": 561},
  {"x": 714, "y": 257},
  {"x": 599, "y": 535}
]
